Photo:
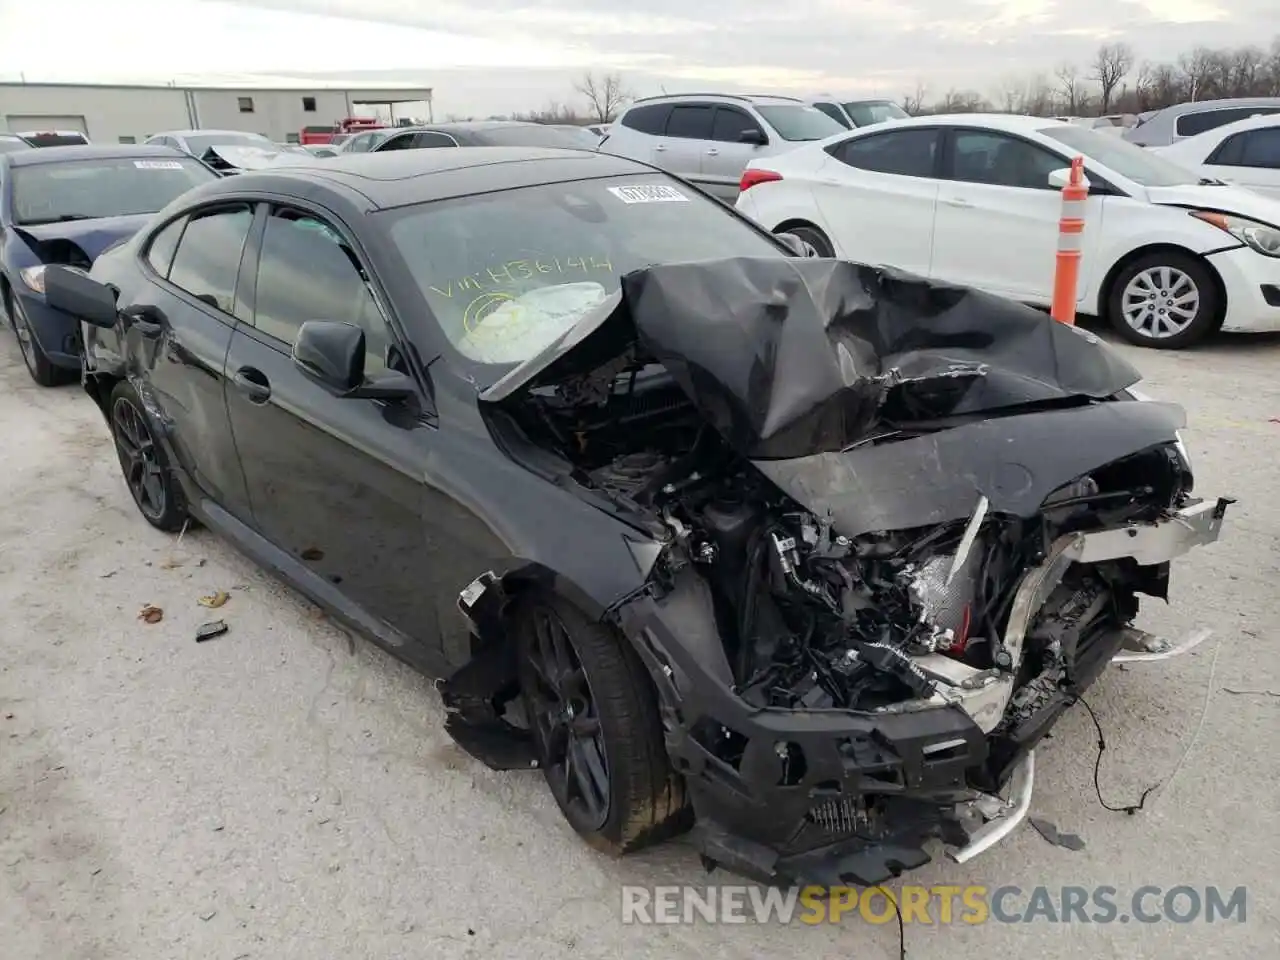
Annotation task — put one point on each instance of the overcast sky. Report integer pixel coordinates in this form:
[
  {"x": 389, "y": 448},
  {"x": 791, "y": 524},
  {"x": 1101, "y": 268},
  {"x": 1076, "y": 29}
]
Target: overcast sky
[{"x": 496, "y": 56}]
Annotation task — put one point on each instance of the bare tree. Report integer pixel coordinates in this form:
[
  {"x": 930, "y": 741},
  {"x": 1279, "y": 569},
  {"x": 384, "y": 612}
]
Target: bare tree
[
  {"x": 1009, "y": 95},
  {"x": 913, "y": 103},
  {"x": 1110, "y": 65},
  {"x": 605, "y": 95},
  {"x": 1196, "y": 67},
  {"x": 1246, "y": 67},
  {"x": 961, "y": 101},
  {"x": 1069, "y": 86}
]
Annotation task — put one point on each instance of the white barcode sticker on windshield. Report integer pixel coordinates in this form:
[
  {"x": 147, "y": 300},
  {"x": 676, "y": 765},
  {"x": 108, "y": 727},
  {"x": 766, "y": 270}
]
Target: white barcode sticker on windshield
[
  {"x": 157, "y": 164},
  {"x": 649, "y": 193}
]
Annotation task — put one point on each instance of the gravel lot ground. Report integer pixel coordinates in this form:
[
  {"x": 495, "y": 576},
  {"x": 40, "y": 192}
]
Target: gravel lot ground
[{"x": 286, "y": 791}]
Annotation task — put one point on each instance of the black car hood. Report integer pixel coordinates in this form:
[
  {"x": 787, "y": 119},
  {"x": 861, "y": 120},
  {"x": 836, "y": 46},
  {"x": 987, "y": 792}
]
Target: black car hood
[
  {"x": 800, "y": 364},
  {"x": 91, "y": 236}
]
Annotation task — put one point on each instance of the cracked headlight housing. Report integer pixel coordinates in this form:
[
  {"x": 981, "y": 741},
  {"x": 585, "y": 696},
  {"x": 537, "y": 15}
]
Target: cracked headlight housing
[
  {"x": 1137, "y": 394},
  {"x": 1260, "y": 237}
]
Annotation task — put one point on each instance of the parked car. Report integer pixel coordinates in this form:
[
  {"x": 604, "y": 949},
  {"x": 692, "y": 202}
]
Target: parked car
[
  {"x": 226, "y": 151},
  {"x": 1164, "y": 127},
  {"x": 587, "y": 138},
  {"x": 483, "y": 133},
  {"x": 975, "y": 200},
  {"x": 365, "y": 142},
  {"x": 709, "y": 138},
  {"x": 599, "y": 129},
  {"x": 1245, "y": 153},
  {"x": 9, "y": 142},
  {"x": 518, "y": 416},
  {"x": 857, "y": 113},
  {"x": 53, "y": 138},
  {"x": 65, "y": 205},
  {"x": 321, "y": 149}
]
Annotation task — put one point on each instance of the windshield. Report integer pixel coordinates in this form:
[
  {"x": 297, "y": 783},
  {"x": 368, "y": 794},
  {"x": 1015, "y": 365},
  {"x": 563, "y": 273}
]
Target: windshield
[
  {"x": 198, "y": 145},
  {"x": 506, "y": 273},
  {"x": 866, "y": 112},
  {"x": 800, "y": 122},
  {"x": 582, "y": 136},
  {"x": 1130, "y": 161},
  {"x": 116, "y": 187}
]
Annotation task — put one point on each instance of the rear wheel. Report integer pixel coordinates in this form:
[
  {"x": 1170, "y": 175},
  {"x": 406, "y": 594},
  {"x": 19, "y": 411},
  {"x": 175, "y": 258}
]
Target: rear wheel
[
  {"x": 1166, "y": 300},
  {"x": 596, "y": 730},
  {"x": 813, "y": 237},
  {"x": 152, "y": 484}
]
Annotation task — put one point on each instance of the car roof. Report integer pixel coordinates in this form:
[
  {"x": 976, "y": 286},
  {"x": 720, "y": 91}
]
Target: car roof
[
  {"x": 403, "y": 177},
  {"x": 1236, "y": 126},
  {"x": 88, "y": 151},
  {"x": 1199, "y": 106},
  {"x": 465, "y": 126},
  {"x": 752, "y": 98},
  {"x": 205, "y": 133},
  {"x": 1004, "y": 122}
]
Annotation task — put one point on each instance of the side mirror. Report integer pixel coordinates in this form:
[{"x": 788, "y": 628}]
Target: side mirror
[
  {"x": 1060, "y": 178},
  {"x": 754, "y": 137},
  {"x": 332, "y": 355},
  {"x": 74, "y": 293},
  {"x": 797, "y": 245}
]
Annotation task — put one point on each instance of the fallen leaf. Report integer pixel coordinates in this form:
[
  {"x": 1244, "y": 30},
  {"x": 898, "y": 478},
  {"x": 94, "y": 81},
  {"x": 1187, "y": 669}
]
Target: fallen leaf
[
  {"x": 151, "y": 614},
  {"x": 171, "y": 564},
  {"x": 215, "y": 600}
]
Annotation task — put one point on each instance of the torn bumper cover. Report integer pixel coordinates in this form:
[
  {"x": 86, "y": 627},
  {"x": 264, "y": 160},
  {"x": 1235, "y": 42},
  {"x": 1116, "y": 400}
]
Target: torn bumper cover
[{"x": 782, "y": 795}]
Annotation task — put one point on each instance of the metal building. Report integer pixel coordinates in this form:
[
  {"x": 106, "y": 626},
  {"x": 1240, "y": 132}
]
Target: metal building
[{"x": 128, "y": 114}]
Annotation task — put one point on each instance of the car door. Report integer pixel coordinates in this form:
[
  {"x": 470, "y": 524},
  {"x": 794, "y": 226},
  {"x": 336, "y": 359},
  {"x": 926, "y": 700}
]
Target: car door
[
  {"x": 726, "y": 156},
  {"x": 686, "y": 138},
  {"x": 878, "y": 195},
  {"x": 336, "y": 483},
  {"x": 997, "y": 223},
  {"x": 1250, "y": 159},
  {"x": 178, "y": 332}
]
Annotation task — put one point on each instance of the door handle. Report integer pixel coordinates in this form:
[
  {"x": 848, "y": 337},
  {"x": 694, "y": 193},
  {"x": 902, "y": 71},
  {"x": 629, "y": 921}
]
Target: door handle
[
  {"x": 661, "y": 148},
  {"x": 147, "y": 320},
  {"x": 713, "y": 152},
  {"x": 253, "y": 383},
  {"x": 958, "y": 202}
]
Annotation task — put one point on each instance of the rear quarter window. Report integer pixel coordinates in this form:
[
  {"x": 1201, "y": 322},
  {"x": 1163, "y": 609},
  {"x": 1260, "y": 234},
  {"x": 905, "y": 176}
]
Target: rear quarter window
[{"x": 650, "y": 119}]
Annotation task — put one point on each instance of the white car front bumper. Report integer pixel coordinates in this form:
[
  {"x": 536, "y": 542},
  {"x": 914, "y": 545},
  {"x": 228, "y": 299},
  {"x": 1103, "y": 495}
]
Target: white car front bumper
[{"x": 1252, "y": 282}]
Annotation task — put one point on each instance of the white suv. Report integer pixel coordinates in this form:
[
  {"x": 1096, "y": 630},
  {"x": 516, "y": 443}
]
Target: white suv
[{"x": 710, "y": 138}]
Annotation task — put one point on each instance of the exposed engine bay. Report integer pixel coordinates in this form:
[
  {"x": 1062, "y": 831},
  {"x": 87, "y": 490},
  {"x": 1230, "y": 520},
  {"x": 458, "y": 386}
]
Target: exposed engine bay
[{"x": 898, "y": 529}]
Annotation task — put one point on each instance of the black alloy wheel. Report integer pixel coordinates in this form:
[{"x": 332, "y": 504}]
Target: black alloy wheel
[
  {"x": 566, "y": 724},
  {"x": 143, "y": 463}
]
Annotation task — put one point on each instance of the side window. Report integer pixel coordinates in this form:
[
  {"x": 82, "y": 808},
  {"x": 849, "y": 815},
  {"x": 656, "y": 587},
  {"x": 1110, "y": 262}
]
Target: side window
[
  {"x": 1000, "y": 161},
  {"x": 1189, "y": 124},
  {"x": 651, "y": 119},
  {"x": 1262, "y": 148},
  {"x": 402, "y": 142},
  {"x": 163, "y": 245},
  {"x": 428, "y": 139},
  {"x": 834, "y": 112},
  {"x": 360, "y": 144},
  {"x": 306, "y": 271},
  {"x": 906, "y": 153},
  {"x": 208, "y": 258},
  {"x": 1229, "y": 152},
  {"x": 691, "y": 122},
  {"x": 730, "y": 123}
]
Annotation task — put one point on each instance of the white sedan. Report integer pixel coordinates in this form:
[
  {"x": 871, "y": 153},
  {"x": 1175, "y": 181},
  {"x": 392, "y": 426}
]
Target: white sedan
[
  {"x": 975, "y": 200},
  {"x": 1245, "y": 153}
]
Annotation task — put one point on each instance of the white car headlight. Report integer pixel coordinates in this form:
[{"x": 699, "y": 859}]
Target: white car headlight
[
  {"x": 1263, "y": 238},
  {"x": 33, "y": 277},
  {"x": 1182, "y": 447}
]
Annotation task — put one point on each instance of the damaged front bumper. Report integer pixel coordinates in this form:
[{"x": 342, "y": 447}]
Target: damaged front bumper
[{"x": 784, "y": 795}]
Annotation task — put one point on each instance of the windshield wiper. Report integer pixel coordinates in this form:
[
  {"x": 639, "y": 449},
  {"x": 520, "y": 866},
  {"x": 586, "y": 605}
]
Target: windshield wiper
[{"x": 64, "y": 218}]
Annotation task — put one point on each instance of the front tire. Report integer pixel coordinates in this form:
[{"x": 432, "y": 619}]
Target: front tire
[
  {"x": 1166, "y": 300},
  {"x": 37, "y": 362},
  {"x": 597, "y": 733},
  {"x": 143, "y": 462}
]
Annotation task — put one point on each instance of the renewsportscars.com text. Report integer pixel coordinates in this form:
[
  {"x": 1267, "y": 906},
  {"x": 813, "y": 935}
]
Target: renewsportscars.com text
[{"x": 941, "y": 904}]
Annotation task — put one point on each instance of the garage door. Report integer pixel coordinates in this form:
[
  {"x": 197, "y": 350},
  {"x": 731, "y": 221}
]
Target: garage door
[{"x": 19, "y": 123}]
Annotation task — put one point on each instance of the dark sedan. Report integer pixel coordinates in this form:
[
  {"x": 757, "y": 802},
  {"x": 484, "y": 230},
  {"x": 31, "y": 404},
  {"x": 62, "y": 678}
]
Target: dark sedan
[
  {"x": 482, "y": 133},
  {"x": 65, "y": 205},
  {"x": 706, "y": 530}
]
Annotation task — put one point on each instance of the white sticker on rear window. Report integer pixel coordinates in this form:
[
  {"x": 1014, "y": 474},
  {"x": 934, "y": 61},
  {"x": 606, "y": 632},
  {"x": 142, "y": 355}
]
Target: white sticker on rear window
[
  {"x": 157, "y": 164},
  {"x": 649, "y": 193}
]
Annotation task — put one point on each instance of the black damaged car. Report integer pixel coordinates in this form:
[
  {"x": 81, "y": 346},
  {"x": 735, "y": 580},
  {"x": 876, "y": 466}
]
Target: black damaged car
[{"x": 801, "y": 553}]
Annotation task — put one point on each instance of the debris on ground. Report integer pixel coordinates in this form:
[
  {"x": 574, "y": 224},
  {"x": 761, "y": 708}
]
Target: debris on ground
[
  {"x": 207, "y": 631},
  {"x": 151, "y": 614},
  {"x": 1068, "y": 841},
  {"x": 1251, "y": 693},
  {"x": 215, "y": 600},
  {"x": 171, "y": 564}
]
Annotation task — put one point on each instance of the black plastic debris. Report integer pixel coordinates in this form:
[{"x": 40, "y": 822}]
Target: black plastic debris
[{"x": 207, "y": 631}]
